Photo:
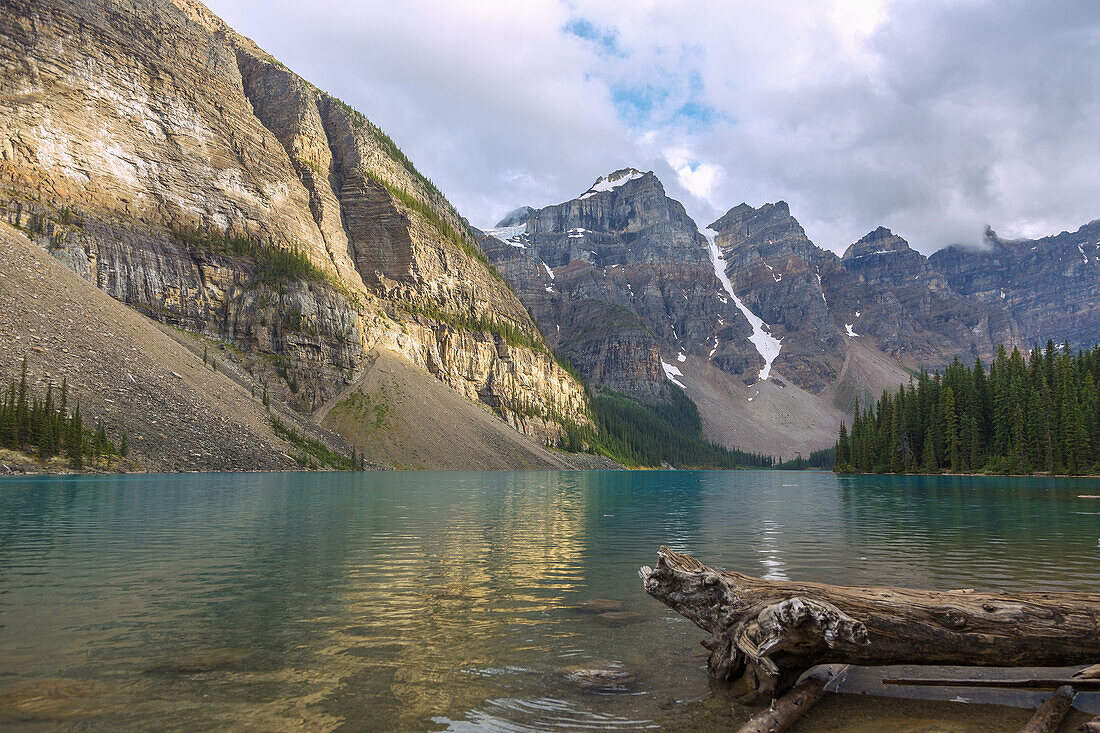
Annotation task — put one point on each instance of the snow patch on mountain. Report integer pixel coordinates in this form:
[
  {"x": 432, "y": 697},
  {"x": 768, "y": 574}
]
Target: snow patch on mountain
[
  {"x": 767, "y": 346},
  {"x": 514, "y": 235},
  {"x": 672, "y": 372}
]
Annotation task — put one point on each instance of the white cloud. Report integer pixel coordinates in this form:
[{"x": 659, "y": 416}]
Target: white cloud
[
  {"x": 932, "y": 117},
  {"x": 697, "y": 178}
]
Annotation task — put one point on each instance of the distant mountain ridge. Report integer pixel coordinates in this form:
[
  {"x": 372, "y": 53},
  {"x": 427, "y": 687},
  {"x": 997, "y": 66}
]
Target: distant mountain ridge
[{"x": 625, "y": 284}]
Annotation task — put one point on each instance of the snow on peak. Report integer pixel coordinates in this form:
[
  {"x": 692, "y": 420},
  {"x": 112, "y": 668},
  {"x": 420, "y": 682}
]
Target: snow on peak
[
  {"x": 612, "y": 181},
  {"x": 767, "y": 346},
  {"x": 851, "y": 333},
  {"x": 548, "y": 270}
]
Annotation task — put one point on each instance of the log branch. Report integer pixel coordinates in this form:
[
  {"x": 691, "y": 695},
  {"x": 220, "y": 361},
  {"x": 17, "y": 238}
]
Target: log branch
[
  {"x": 769, "y": 632},
  {"x": 1047, "y": 718},
  {"x": 786, "y": 710}
]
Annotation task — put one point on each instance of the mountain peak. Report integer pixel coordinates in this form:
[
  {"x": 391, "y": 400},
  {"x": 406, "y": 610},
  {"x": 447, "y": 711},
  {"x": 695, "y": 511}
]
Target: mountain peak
[
  {"x": 767, "y": 214},
  {"x": 613, "y": 180},
  {"x": 515, "y": 217},
  {"x": 879, "y": 241}
]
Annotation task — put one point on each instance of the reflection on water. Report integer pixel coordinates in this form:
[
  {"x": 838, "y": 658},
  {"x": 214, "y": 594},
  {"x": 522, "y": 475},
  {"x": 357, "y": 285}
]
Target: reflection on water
[{"x": 430, "y": 601}]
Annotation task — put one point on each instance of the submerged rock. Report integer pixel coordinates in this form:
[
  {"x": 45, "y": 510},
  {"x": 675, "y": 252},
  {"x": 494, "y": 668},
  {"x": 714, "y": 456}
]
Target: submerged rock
[
  {"x": 620, "y": 618},
  {"x": 598, "y": 605},
  {"x": 599, "y": 676},
  {"x": 57, "y": 698},
  {"x": 212, "y": 661}
]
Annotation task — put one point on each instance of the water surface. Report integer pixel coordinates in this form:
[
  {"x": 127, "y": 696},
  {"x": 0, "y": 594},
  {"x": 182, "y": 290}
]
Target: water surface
[{"x": 433, "y": 601}]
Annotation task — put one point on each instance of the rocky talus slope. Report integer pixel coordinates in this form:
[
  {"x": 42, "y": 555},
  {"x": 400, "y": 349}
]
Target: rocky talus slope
[
  {"x": 187, "y": 173},
  {"x": 180, "y": 414}
]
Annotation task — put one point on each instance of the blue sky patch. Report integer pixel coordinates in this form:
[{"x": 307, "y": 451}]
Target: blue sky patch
[{"x": 606, "y": 40}]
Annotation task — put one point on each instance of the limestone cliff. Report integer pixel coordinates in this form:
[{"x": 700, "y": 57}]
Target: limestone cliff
[{"x": 187, "y": 173}]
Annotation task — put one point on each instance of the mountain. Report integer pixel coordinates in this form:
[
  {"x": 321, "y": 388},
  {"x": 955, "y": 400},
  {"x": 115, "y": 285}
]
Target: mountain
[
  {"x": 618, "y": 277},
  {"x": 909, "y": 308},
  {"x": 187, "y": 173},
  {"x": 624, "y": 284},
  {"x": 772, "y": 337},
  {"x": 1050, "y": 286}
]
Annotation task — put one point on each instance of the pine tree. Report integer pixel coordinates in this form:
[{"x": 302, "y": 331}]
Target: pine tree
[
  {"x": 950, "y": 430},
  {"x": 22, "y": 409},
  {"x": 74, "y": 441},
  {"x": 843, "y": 450}
]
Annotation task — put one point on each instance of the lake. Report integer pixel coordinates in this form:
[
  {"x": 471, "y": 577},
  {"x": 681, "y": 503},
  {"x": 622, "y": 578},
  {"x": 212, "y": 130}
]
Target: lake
[{"x": 446, "y": 601}]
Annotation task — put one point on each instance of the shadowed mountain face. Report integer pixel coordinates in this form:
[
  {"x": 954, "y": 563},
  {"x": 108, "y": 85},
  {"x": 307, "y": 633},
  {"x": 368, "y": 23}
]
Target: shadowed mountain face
[
  {"x": 1050, "y": 286},
  {"x": 881, "y": 291},
  {"x": 618, "y": 278},
  {"x": 187, "y": 173}
]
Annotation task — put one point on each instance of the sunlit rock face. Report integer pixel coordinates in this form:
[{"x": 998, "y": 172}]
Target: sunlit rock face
[
  {"x": 1050, "y": 286},
  {"x": 163, "y": 157},
  {"x": 620, "y": 278}
]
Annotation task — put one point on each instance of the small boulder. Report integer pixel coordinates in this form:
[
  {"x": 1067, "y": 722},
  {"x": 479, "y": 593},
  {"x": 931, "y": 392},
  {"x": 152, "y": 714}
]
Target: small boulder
[
  {"x": 599, "y": 676},
  {"x": 212, "y": 661}
]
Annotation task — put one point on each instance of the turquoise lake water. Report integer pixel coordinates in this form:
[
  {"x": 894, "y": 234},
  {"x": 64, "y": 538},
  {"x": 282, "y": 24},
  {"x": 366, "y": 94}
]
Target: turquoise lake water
[{"x": 434, "y": 601}]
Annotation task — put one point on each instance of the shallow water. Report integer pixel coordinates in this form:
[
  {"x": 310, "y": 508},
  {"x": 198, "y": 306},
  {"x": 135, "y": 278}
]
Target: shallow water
[{"x": 434, "y": 601}]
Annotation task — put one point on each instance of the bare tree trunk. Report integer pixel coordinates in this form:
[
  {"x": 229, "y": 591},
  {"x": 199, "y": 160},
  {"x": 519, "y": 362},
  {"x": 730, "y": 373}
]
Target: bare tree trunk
[{"x": 769, "y": 632}]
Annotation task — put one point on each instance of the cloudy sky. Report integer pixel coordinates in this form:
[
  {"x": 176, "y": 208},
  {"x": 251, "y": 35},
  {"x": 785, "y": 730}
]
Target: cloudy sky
[{"x": 931, "y": 117}]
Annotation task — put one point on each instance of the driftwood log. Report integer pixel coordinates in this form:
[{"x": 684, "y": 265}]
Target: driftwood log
[{"x": 769, "y": 632}]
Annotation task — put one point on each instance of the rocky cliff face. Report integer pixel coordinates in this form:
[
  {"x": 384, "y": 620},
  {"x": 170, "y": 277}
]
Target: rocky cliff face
[
  {"x": 894, "y": 296},
  {"x": 1050, "y": 286},
  {"x": 620, "y": 280},
  {"x": 881, "y": 291},
  {"x": 183, "y": 170},
  {"x": 777, "y": 272}
]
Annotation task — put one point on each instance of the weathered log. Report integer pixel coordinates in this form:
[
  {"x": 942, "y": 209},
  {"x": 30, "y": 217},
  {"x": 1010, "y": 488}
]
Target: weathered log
[
  {"x": 769, "y": 632},
  {"x": 1047, "y": 718},
  {"x": 787, "y": 709},
  {"x": 1093, "y": 726}
]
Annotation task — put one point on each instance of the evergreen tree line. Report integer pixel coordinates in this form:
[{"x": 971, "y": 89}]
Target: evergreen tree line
[
  {"x": 1025, "y": 414},
  {"x": 42, "y": 425},
  {"x": 821, "y": 458},
  {"x": 636, "y": 433}
]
